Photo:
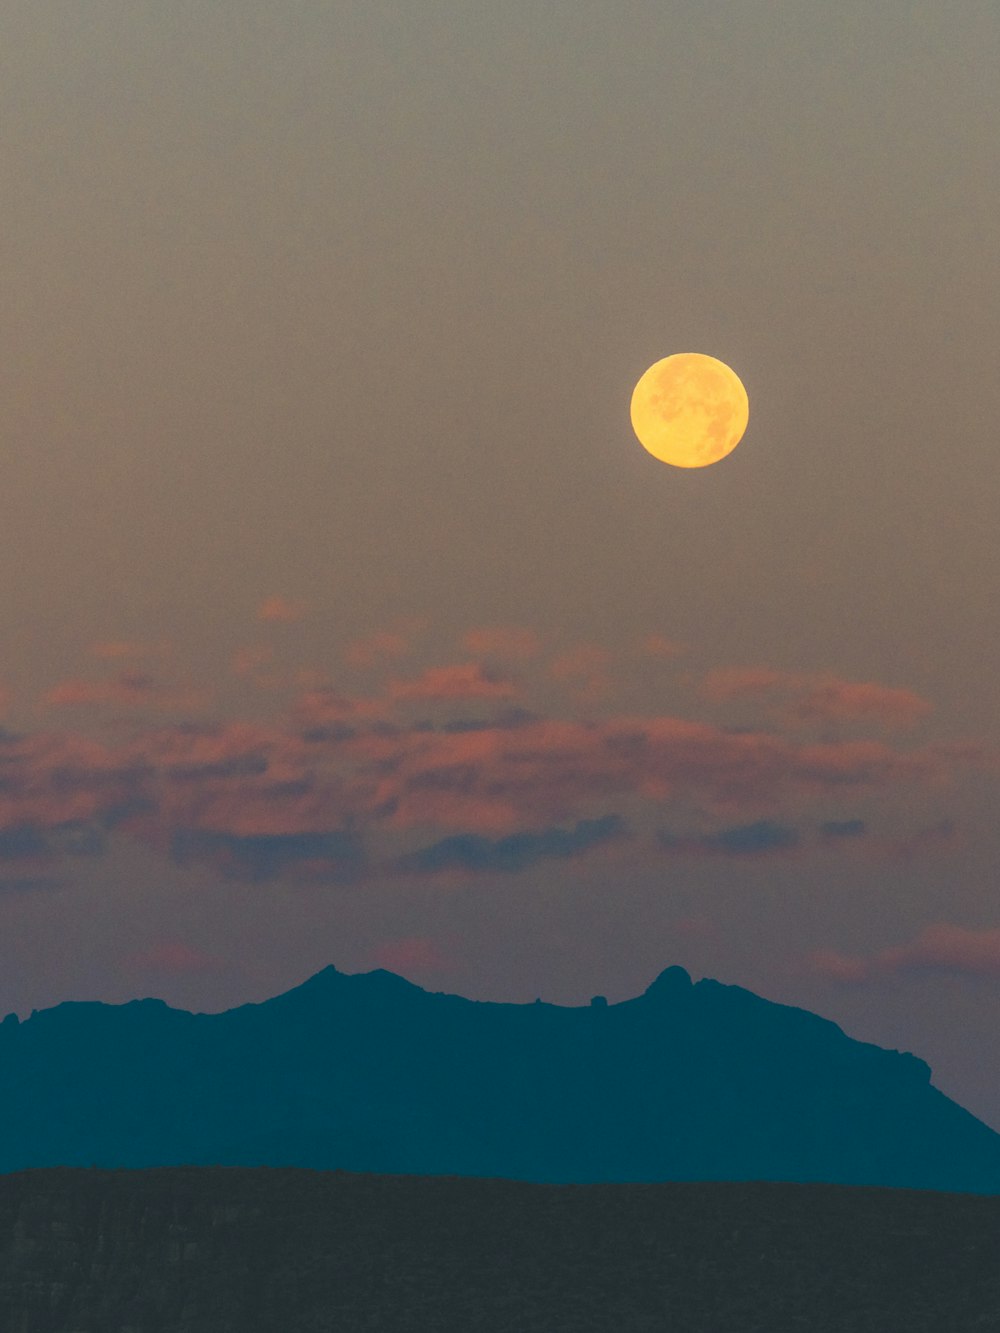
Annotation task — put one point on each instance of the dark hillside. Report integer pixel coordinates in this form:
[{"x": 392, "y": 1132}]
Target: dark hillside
[
  {"x": 213, "y": 1250},
  {"x": 371, "y": 1073}
]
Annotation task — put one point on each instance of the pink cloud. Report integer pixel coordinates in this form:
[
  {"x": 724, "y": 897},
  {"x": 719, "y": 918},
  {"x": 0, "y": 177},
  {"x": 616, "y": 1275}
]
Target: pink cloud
[
  {"x": 130, "y": 690},
  {"x": 757, "y": 839},
  {"x": 456, "y": 810},
  {"x": 832, "y": 700},
  {"x": 322, "y": 704},
  {"x": 817, "y": 697},
  {"x": 940, "y": 947},
  {"x": 250, "y": 662},
  {"x": 413, "y": 954},
  {"x": 113, "y": 650},
  {"x": 584, "y": 671},
  {"x": 724, "y": 683},
  {"x": 696, "y": 927},
  {"x": 280, "y": 610},
  {"x": 546, "y": 770},
  {"x": 247, "y": 661},
  {"x": 171, "y": 956},
  {"x": 383, "y": 645},
  {"x": 510, "y": 642},
  {"x": 335, "y": 762},
  {"x": 465, "y": 680},
  {"x": 657, "y": 645},
  {"x": 837, "y": 966},
  {"x": 937, "y": 837}
]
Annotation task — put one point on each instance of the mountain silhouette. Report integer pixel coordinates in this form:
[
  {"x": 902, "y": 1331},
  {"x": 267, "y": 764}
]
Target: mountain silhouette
[{"x": 371, "y": 1073}]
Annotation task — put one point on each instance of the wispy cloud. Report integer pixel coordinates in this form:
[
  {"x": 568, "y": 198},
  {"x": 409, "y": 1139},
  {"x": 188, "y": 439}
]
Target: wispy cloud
[
  {"x": 412, "y": 954},
  {"x": 323, "y": 705},
  {"x": 382, "y": 646},
  {"x": 722, "y": 683},
  {"x": 658, "y": 645},
  {"x": 385, "y": 644},
  {"x": 333, "y": 856},
  {"x": 516, "y": 852},
  {"x": 934, "y": 838},
  {"x": 508, "y": 642},
  {"x": 817, "y": 697},
  {"x": 831, "y": 700},
  {"x": 754, "y": 839},
  {"x": 134, "y": 650},
  {"x": 336, "y": 783},
  {"x": 584, "y": 671},
  {"x": 843, "y": 828},
  {"x": 281, "y": 610},
  {"x": 28, "y": 883},
  {"x": 334, "y": 763},
  {"x": 172, "y": 957},
  {"x": 247, "y": 661},
  {"x": 130, "y": 691},
  {"x": 464, "y": 680},
  {"x": 940, "y": 947}
]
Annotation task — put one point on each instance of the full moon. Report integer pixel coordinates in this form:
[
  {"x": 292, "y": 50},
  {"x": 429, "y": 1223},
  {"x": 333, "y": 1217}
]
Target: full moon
[{"x": 689, "y": 410}]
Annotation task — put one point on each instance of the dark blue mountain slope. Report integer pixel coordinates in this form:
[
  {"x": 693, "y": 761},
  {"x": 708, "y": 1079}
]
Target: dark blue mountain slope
[{"x": 371, "y": 1073}]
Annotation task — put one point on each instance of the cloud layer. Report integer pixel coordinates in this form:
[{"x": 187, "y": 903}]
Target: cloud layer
[
  {"x": 455, "y": 768},
  {"x": 817, "y": 698},
  {"x": 940, "y": 947}
]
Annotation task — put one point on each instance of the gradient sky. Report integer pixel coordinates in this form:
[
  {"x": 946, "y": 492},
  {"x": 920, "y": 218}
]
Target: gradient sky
[{"x": 346, "y": 621}]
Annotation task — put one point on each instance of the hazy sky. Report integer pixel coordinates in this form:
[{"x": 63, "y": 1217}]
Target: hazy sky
[{"x": 344, "y": 618}]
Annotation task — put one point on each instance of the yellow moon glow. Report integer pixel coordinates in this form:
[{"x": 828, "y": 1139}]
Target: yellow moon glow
[{"x": 689, "y": 410}]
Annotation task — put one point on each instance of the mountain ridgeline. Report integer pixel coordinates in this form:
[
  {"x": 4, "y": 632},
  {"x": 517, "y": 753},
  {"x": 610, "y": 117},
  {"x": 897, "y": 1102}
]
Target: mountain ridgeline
[{"x": 371, "y": 1073}]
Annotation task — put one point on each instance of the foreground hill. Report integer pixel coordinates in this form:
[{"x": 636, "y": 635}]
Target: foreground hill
[
  {"x": 203, "y": 1250},
  {"x": 371, "y": 1073}
]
